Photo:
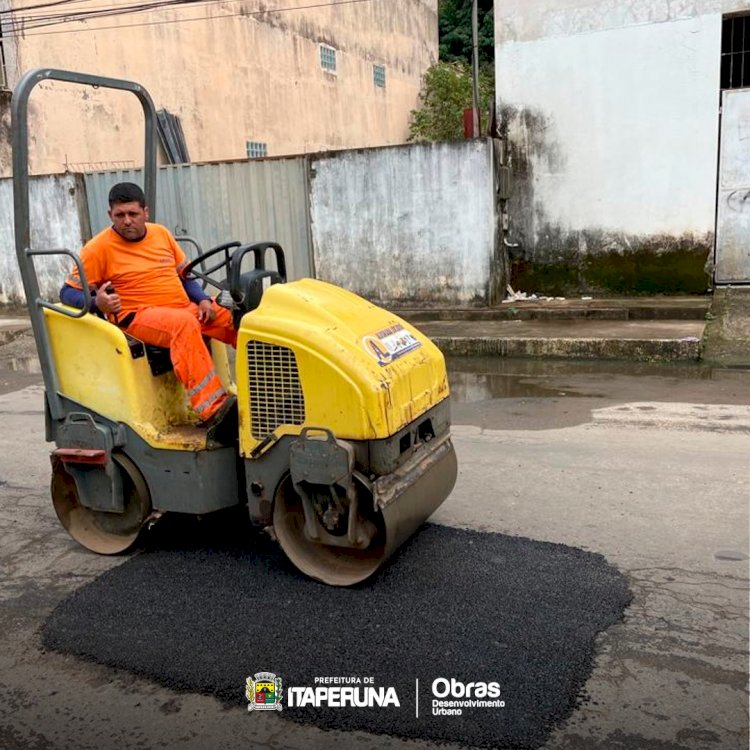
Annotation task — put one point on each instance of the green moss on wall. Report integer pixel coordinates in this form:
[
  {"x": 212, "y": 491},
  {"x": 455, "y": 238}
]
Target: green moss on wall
[
  {"x": 633, "y": 272},
  {"x": 643, "y": 272}
]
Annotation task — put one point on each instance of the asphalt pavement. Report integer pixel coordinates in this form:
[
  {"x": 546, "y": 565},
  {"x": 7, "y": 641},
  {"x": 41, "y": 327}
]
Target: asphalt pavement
[{"x": 455, "y": 604}]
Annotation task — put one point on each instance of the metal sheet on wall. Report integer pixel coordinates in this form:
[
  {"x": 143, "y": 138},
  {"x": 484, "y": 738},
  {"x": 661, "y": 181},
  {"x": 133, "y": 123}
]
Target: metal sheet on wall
[
  {"x": 249, "y": 201},
  {"x": 733, "y": 210}
]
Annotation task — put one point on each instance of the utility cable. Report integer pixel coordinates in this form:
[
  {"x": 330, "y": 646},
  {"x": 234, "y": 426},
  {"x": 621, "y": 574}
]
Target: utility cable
[{"x": 34, "y": 22}]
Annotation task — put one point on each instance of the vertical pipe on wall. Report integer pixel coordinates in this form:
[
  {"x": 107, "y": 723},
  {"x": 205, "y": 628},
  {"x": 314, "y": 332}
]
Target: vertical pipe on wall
[{"x": 475, "y": 66}]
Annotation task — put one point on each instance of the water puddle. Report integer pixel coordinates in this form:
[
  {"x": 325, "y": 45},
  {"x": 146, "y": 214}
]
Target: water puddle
[
  {"x": 29, "y": 365},
  {"x": 475, "y": 379}
]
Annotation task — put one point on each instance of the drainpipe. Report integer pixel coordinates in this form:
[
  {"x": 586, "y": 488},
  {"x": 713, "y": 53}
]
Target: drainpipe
[{"x": 475, "y": 66}]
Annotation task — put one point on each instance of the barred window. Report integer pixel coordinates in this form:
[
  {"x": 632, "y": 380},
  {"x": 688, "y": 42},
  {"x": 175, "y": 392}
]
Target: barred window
[
  {"x": 256, "y": 150},
  {"x": 328, "y": 58},
  {"x": 3, "y": 77},
  {"x": 735, "y": 52},
  {"x": 378, "y": 75}
]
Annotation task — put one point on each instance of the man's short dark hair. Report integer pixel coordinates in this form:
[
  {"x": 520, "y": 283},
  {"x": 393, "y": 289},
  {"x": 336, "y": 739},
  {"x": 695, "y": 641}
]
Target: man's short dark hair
[{"x": 126, "y": 192}]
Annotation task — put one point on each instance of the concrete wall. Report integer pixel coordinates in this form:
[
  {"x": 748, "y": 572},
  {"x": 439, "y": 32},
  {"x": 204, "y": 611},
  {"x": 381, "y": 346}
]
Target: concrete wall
[
  {"x": 401, "y": 225},
  {"x": 406, "y": 225},
  {"x": 58, "y": 220},
  {"x": 612, "y": 113},
  {"x": 232, "y": 74}
]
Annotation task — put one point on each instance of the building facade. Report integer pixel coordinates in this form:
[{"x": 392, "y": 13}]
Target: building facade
[
  {"x": 245, "y": 79},
  {"x": 627, "y": 126}
]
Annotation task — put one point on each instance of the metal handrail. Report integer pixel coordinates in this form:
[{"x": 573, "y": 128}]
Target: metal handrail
[
  {"x": 81, "y": 273},
  {"x": 190, "y": 240},
  {"x": 21, "y": 213}
]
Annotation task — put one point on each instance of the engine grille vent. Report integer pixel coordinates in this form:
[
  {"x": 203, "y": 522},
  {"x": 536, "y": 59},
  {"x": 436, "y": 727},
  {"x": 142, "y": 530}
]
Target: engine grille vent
[{"x": 276, "y": 396}]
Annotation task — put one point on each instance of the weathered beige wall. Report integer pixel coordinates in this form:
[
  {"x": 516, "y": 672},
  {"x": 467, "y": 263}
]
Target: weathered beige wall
[{"x": 229, "y": 75}]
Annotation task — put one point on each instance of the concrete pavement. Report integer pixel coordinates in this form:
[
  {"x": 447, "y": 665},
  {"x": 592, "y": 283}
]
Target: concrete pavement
[
  {"x": 641, "y": 329},
  {"x": 715, "y": 328},
  {"x": 727, "y": 336}
]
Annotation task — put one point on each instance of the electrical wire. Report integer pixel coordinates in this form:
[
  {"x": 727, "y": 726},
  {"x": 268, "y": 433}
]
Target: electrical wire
[
  {"x": 24, "y": 23},
  {"x": 45, "y": 18},
  {"x": 32, "y": 22}
]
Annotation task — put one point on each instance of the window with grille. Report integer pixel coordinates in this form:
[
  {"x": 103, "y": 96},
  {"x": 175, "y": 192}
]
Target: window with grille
[
  {"x": 378, "y": 75},
  {"x": 328, "y": 58},
  {"x": 256, "y": 150},
  {"x": 735, "y": 52}
]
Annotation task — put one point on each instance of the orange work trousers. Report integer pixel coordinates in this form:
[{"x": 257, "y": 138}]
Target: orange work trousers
[{"x": 179, "y": 329}]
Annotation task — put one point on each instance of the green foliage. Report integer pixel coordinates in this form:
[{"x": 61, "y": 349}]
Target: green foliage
[
  {"x": 446, "y": 87},
  {"x": 446, "y": 93},
  {"x": 454, "y": 25}
]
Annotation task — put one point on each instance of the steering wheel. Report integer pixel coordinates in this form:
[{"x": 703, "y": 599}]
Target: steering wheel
[{"x": 205, "y": 273}]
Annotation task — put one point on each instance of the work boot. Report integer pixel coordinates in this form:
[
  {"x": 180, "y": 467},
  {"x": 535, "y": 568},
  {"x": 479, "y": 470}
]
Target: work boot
[{"x": 220, "y": 414}]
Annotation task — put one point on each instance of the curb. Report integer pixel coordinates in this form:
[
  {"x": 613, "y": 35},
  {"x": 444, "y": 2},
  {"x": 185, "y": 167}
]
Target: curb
[
  {"x": 623, "y": 309},
  {"x": 639, "y": 350},
  {"x": 8, "y": 334}
]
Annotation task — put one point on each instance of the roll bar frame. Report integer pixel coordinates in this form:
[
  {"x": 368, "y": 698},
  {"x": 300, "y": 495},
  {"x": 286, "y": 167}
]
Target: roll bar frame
[{"x": 21, "y": 211}]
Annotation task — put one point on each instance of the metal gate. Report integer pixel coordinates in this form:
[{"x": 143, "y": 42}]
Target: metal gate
[
  {"x": 249, "y": 201},
  {"x": 733, "y": 210}
]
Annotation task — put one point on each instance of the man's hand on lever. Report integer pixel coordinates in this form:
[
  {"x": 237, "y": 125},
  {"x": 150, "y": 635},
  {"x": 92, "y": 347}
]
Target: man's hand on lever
[{"x": 107, "y": 299}]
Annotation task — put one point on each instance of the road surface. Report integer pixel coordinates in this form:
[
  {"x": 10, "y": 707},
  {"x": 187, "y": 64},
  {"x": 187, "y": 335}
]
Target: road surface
[{"x": 645, "y": 465}]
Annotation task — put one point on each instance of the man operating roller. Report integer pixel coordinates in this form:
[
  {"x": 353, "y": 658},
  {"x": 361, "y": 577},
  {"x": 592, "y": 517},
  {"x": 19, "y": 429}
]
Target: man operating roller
[{"x": 135, "y": 270}]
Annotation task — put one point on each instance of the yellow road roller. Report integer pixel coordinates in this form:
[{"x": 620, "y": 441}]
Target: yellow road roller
[{"x": 341, "y": 443}]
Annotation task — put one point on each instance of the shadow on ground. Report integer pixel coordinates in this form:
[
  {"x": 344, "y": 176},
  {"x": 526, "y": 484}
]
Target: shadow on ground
[{"x": 204, "y": 606}]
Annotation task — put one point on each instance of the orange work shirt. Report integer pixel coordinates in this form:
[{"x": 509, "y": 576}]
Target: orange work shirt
[{"x": 145, "y": 273}]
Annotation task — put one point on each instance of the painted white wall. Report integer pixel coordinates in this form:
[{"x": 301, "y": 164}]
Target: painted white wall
[
  {"x": 410, "y": 224},
  {"x": 631, "y": 116},
  {"x": 523, "y": 20},
  {"x": 56, "y": 222}
]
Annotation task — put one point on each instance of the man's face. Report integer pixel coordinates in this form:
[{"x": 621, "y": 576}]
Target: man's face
[{"x": 129, "y": 220}]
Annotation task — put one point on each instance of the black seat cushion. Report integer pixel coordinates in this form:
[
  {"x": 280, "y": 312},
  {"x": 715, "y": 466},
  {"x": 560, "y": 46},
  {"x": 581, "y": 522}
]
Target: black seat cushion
[{"x": 158, "y": 356}]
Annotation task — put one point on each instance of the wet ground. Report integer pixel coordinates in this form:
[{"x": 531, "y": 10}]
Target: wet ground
[
  {"x": 646, "y": 465},
  {"x": 530, "y": 394},
  {"x": 19, "y": 365},
  {"x": 504, "y": 393}
]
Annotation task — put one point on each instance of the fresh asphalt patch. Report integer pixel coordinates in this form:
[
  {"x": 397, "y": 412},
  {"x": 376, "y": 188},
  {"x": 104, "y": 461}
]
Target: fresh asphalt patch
[{"x": 206, "y": 606}]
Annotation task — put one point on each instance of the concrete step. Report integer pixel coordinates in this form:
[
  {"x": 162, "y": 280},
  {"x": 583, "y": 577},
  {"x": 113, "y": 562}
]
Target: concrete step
[
  {"x": 554, "y": 329},
  {"x": 619, "y": 308},
  {"x": 727, "y": 338},
  {"x": 639, "y": 340}
]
